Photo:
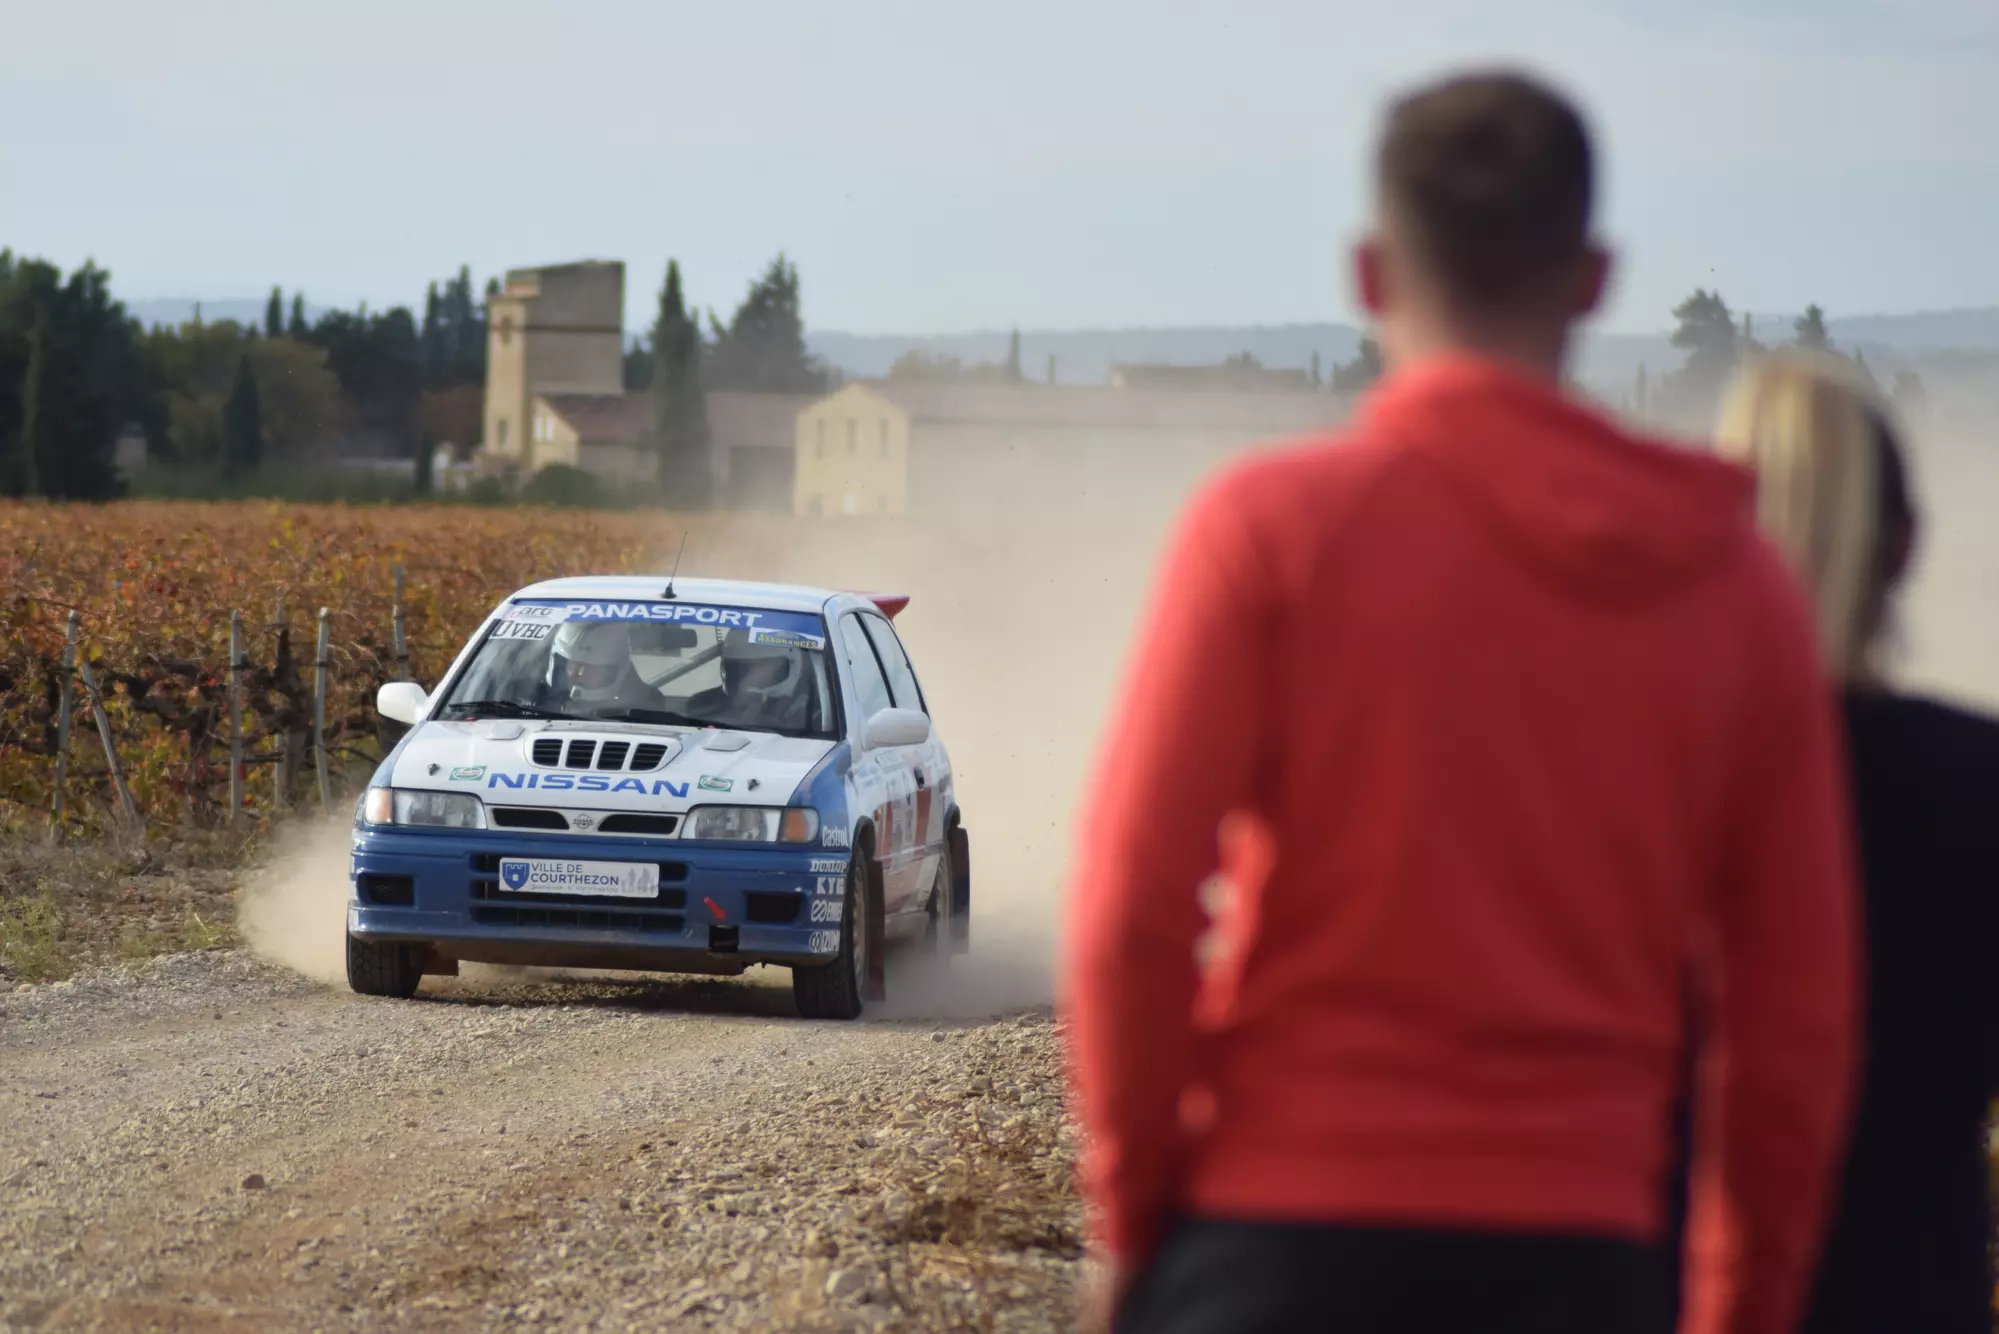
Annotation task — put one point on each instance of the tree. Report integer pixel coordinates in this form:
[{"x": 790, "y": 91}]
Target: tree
[
  {"x": 763, "y": 347},
  {"x": 1359, "y": 373},
  {"x": 1013, "y": 375},
  {"x": 274, "y": 315},
  {"x": 436, "y": 347},
  {"x": 638, "y": 366},
  {"x": 1809, "y": 330},
  {"x": 242, "y": 424},
  {"x": 85, "y": 384},
  {"x": 1707, "y": 333},
  {"x": 1910, "y": 398},
  {"x": 679, "y": 410},
  {"x": 298, "y": 328},
  {"x": 36, "y": 407},
  {"x": 379, "y": 362},
  {"x": 193, "y": 371}
]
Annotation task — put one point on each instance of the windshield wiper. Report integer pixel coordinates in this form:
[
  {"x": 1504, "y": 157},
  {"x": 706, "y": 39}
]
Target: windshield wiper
[
  {"x": 663, "y": 717},
  {"x": 505, "y": 708}
]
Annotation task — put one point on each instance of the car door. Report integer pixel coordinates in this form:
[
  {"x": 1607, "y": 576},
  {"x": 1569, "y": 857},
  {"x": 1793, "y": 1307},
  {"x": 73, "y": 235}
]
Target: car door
[
  {"x": 930, "y": 767},
  {"x": 883, "y": 778}
]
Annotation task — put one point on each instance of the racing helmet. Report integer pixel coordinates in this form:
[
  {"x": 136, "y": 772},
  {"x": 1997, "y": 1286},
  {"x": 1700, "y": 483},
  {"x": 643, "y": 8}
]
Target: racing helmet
[
  {"x": 589, "y": 660},
  {"x": 750, "y": 666}
]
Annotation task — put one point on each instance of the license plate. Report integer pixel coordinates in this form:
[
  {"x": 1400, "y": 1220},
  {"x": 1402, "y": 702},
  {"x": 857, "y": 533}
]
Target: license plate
[{"x": 609, "y": 880}]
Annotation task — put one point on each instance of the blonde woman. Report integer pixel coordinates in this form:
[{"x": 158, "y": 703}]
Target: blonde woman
[{"x": 1907, "y": 1251}]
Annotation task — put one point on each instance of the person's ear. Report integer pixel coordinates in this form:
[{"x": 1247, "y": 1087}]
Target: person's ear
[
  {"x": 1592, "y": 281},
  {"x": 1370, "y": 276}
]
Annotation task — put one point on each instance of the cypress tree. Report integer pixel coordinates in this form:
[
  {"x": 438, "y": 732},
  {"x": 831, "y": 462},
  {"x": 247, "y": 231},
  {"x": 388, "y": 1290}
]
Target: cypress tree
[{"x": 242, "y": 424}]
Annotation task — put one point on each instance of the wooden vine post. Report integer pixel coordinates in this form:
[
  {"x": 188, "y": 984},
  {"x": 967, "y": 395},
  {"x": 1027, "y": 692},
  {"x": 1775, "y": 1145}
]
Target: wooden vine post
[
  {"x": 319, "y": 711},
  {"x": 67, "y": 695},
  {"x": 235, "y": 715}
]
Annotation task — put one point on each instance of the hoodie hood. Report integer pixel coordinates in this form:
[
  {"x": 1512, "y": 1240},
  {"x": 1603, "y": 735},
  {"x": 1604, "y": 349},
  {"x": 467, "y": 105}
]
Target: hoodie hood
[{"x": 1578, "y": 499}]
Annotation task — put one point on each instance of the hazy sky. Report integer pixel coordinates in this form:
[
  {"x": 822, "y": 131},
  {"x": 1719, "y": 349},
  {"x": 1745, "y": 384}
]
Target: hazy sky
[{"x": 937, "y": 166}]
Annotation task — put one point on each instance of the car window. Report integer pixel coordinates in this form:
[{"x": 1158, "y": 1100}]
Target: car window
[
  {"x": 901, "y": 679},
  {"x": 870, "y": 689},
  {"x": 773, "y": 676}
]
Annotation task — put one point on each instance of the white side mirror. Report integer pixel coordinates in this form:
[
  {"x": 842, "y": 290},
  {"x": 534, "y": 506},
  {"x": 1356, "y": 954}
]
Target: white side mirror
[
  {"x": 401, "y": 701},
  {"x": 897, "y": 727}
]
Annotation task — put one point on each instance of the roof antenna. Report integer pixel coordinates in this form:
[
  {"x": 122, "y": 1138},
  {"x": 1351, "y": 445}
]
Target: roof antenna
[{"x": 676, "y": 563}]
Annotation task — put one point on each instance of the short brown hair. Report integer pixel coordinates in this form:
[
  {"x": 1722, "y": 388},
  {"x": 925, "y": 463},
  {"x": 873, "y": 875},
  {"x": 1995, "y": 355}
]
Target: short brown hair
[{"x": 1487, "y": 179}]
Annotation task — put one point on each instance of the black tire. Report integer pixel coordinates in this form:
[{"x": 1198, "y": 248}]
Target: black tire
[
  {"x": 960, "y": 845},
  {"x": 385, "y": 967},
  {"x": 835, "y": 989},
  {"x": 941, "y": 929}
]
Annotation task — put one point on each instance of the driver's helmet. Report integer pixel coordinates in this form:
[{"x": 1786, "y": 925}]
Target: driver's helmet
[
  {"x": 750, "y": 666},
  {"x": 589, "y": 661}
]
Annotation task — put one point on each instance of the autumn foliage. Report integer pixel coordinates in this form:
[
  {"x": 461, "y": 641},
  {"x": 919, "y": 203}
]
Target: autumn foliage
[{"x": 154, "y": 585}]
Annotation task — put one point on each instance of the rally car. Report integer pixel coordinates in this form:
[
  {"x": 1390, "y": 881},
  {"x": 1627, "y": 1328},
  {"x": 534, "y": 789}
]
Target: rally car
[{"x": 632, "y": 773}]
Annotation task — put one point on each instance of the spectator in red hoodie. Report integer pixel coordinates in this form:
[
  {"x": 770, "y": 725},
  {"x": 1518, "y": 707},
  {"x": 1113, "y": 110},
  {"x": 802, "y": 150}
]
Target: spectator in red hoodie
[{"x": 1493, "y": 722}]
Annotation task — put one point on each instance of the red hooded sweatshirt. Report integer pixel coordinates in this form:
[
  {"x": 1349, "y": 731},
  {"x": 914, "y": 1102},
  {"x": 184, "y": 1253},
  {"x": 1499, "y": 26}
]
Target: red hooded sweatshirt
[{"x": 1492, "y": 717}]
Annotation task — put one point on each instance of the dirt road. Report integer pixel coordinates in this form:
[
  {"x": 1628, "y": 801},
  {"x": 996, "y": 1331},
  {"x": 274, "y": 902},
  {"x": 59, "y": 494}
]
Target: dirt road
[{"x": 207, "y": 1142}]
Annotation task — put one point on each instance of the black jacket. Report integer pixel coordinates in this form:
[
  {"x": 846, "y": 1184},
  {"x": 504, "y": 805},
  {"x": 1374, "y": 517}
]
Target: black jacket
[{"x": 1908, "y": 1248}]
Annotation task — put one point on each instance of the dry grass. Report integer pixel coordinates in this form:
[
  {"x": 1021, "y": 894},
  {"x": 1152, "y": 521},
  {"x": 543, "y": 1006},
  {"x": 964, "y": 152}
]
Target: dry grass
[{"x": 66, "y": 906}]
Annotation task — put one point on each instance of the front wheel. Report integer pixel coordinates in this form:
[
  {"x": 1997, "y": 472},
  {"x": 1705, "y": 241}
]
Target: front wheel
[
  {"x": 384, "y": 967},
  {"x": 836, "y": 989}
]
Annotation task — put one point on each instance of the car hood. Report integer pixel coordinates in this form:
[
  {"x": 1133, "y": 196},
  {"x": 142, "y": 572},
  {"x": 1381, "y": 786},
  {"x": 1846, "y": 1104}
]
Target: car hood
[{"x": 605, "y": 766}]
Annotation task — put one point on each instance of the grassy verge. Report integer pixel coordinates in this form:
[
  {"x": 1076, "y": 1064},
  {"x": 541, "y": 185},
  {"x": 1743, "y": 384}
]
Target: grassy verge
[{"x": 69, "y": 906}]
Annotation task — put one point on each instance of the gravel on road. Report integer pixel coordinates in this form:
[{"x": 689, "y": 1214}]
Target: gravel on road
[{"x": 207, "y": 1142}]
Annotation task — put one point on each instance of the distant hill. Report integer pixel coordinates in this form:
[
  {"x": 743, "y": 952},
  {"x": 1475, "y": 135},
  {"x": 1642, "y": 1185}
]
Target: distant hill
[{"x": 1605, "y": 361}]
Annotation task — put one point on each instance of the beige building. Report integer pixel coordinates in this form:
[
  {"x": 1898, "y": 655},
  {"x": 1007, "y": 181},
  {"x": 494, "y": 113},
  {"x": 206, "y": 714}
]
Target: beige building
[
  {"x": 551, "y": 331},
  {"x": 887, "y": 448},
  {"x": 750, "y": 437}
]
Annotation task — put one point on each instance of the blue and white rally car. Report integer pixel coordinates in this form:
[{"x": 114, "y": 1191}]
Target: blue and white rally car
[{"x": 630, "y": 773}]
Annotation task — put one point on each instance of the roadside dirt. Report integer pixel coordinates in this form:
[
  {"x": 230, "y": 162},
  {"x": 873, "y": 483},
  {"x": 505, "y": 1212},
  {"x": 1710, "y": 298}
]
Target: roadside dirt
[{"x": 206, "y": 1142}]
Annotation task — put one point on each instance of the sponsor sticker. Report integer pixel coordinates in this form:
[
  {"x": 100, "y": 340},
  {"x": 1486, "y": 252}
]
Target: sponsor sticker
[
  {"x": 823, "y": 942},
  {"x": 522, "y": 630},
  {"x": 786, "y": 638},
  {"x": 827, "y": 910},
  {"x": 828, "y": 866},
  {"x": 658, "y": 787},
  {"x": 804, "y": 626},
  {"x": 709, "y": 784},
  {"x": 469, "y": 774},
  {"x": 832, "y": 838}
]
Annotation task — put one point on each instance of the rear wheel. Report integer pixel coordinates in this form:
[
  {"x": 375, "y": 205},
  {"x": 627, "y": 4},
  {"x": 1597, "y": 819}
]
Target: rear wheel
[
  {"x": 384, "y": 967},
  {"x": 835, "y": 989},
  {"x": 940, "y": 932}
]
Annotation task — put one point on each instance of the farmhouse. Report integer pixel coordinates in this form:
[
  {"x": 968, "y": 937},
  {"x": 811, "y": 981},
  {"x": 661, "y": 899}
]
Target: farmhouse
[{"x": 889, "y": 447}]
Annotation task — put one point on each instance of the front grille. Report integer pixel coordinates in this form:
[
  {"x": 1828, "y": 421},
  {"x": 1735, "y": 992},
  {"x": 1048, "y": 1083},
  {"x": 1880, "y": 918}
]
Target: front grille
[
  {"x": 616, "y": 756},
  {"x": 773, "y": 907},
  {"x": 525, "y": 817},
  {"x": 659, "y": 825},
  {"x": 589, "y": 918}
]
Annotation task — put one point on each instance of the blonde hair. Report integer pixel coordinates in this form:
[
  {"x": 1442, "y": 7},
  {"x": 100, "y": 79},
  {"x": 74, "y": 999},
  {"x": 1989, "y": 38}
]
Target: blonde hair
[{"x": 1817, "y": 435}]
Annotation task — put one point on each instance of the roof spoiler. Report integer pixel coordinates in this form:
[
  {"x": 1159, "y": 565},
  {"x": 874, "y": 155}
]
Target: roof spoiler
[{"x": 888, "y": 603}]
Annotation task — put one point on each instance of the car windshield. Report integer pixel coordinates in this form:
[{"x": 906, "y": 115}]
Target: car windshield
[{"x": 672, "y": 663}]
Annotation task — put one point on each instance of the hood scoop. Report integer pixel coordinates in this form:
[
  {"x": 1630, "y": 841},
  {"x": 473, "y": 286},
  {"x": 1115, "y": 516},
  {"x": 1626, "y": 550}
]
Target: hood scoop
[{"x": 726, "y": 741}]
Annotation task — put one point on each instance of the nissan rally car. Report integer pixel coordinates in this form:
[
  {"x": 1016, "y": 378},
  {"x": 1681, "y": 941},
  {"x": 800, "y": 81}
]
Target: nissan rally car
[{"x": 669, "y": 776}]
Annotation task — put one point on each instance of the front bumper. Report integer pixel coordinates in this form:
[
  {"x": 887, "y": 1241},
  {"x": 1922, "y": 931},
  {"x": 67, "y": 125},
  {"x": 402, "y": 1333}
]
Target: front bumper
[{"x": 721, "y": 907}]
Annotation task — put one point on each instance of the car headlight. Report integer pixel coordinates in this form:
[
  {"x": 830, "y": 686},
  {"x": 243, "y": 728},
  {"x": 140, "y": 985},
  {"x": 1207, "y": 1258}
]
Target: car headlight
[
  {"x": 752, "y": 824},
  {"x": 442, "y": 810}
]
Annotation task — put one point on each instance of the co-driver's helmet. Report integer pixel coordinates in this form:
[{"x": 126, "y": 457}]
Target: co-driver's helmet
[
  {"x": 748, "y": 665},
  {"x": 589, "y": 660}
]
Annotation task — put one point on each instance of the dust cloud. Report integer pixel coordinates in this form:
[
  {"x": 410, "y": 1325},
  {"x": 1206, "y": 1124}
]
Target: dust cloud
[
  {"x": 292, "y": 908},
  {"x": 1019, "y": 623},
  {"x": 1017, "y": 626}
]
